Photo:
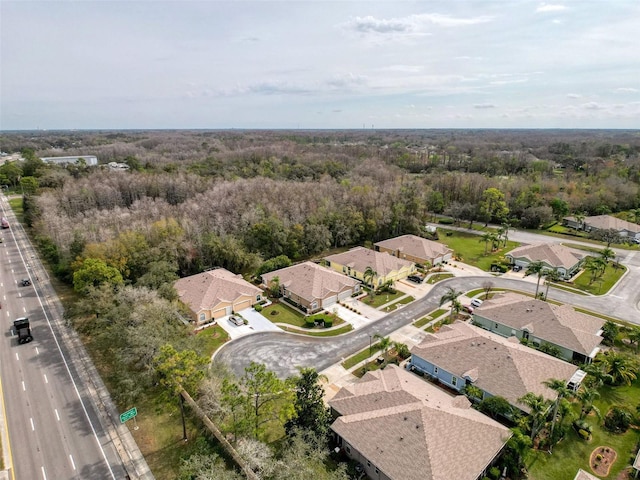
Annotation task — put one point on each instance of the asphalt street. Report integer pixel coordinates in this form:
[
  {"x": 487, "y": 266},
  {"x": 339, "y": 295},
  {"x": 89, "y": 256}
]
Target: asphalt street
[{"x": 284, "y": 353}]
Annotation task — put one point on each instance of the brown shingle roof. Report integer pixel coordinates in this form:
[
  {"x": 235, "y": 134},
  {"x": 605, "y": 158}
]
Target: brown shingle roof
[
  {"x": 552, "y": 254},
  {"x": 495, "y": 364},
  {"x": 558, "y": 324},
  {"x": 604, "y": 222},
  {"x": 416, "y": 246},
  {"x": 359, "y": 258},
  {"x": 206, "y": 290},
  {"x": 412, "y": 430},
  {"x": 310, "y": 281}
]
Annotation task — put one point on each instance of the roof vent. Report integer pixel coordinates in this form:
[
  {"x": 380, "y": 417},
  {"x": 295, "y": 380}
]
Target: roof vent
[{"x": 405, "y": 418}]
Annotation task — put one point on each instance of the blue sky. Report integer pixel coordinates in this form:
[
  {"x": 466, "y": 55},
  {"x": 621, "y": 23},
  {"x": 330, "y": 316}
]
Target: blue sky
[{"x": 319, "y": 64}]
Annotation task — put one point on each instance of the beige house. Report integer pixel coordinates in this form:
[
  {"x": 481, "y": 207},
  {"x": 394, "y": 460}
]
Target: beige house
[
  {"x": 604, "y": 222},
  {"x": 355, "y": 262},
  {"x": 216, "y": 293},
  {"x": 461, "y": 354},
  {"x": 415, "y": 249},
  {"x": 311, "y": 286},
  {"x": 575, "y": 334},
  {"x": 400, "y": 427},
  {"x": 566, "y": 261}
]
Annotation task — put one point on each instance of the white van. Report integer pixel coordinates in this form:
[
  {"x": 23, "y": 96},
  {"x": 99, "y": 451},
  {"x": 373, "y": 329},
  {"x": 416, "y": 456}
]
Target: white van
[{"x": 475, "y": 302}]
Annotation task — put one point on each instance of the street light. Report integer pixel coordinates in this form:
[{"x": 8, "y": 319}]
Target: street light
[{"x": 369, "y": 345}]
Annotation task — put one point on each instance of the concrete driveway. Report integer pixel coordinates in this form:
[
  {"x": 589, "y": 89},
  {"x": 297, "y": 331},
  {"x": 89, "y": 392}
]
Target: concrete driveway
[{"x": 257, "y": 323}]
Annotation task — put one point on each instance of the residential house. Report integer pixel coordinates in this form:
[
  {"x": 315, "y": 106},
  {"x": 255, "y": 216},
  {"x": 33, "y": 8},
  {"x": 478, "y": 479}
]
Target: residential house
[
  {"x": 575, "y": 334},
  {"x": 355, "y": 262},
  {"x": 311, "y": 286},
  {"x": 582, "y": 475},
  {"x": 461, "y": 354},
  {"x": 88, "y": 160},
  {"x": 216, "y": 293},
  {"x": 566, "y": 261},
  {"x": 400, "y": 427},
  {"x": 415, "y": 249},
  {"x": 604, "y": 222}
]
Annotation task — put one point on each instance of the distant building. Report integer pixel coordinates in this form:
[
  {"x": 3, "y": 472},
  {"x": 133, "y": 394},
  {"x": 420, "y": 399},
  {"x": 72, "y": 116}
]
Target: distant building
[
  {"x": 117, "y": 166},
  {"x": 89, "y": 160}
]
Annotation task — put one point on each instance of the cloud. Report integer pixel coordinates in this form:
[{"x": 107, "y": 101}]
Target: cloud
[
  {"x": 627, "y": 90},
  {"x": 411, "y": 24},
  {"x": 371, "y": 24},
  {"x": 592, "y": 106},
  {"x": 574, "y": 95},
  {"x": 484, "y": 105},
  {"x": 346, "y": 81},
  {"x": 449, "y": 21},
  {"x": 548, "y": 7}
]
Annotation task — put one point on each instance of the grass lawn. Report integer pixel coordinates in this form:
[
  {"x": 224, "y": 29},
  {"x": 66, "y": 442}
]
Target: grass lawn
[
  {"x": 433, "y": 315},
  {"x": 320, "y": 333},
  {"x": 285, "y": 314},
  {"x": 402, "y": 301},
  {"x": 601, "y": 285},
  {"x": 16, "y": 206},
  {"x": 471, "y": 248},
  {"x": 573, "y": 452},
  {"x": 439, "y": 277},
  {"x": 382, "y": 298},
  {"x": 212, "y": 338},
  {"x": 360, "y": 356}
]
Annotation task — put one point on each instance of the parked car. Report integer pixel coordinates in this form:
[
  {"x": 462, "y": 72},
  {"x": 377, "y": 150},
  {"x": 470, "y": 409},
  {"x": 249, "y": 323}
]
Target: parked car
[
  {"x": 475, "y": 302},
  {"x": 414, "y": 278},
  {"x": 467, "y": 308},
  {"x": 25, "y": 282},
  {"x": 236, "y": 320},
  {"x": 517, "y": 268}
]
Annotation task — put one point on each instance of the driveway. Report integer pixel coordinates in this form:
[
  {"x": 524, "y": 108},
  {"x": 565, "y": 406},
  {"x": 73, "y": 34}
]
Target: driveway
[{"x": 257, "y": 323}]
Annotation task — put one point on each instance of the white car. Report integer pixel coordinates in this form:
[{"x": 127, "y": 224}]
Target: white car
[{"x": 476, "y": 302}]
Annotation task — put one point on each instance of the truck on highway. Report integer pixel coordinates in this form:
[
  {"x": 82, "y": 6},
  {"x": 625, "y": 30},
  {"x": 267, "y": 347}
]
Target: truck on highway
[
  {"x": 23, "y": 330},
  {"x": 4, "y": 222}
]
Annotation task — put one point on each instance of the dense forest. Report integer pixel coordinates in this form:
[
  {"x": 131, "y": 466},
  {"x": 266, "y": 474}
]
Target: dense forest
[{"x": 251, "y": 201}]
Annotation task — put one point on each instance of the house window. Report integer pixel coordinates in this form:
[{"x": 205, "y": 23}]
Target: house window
[
  {"x": 328, "y": 264},
  {"x": 495, "y": 325},
  {"x": 203, "y": 317},
  {"x": 368, "y": 463},
  {"x": 348, "y": 449},
  {"x": 377, "y": 471},
  {"x": 435, "y": 369},
  {"x": 314, "y": 305},
  {"x": 454, "y": 381},
  {"x": 344, "y": 269},
  {"x": 258, "y": 298}
]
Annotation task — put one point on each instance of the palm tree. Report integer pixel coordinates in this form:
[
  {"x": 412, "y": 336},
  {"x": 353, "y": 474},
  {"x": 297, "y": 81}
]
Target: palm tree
[
  {"x": 550, "y": 277},
  {"x": 505, "y": 233},
  {"x": 579, "y": 220},
  {"x": 596, "y": 374},
  {"x": 538, "y": 410},
  {"x": 535, "y": 268},
  {"x": 634, "y": 337},
  {"x": 473, "y": 393},
  {"x": 486, "y": 238},
  {"x": 383, "y": 343},
  {"x": 451, "y": 296},
  {"x": 622, "y": 368},
  {"x": 368, "y": 276},
  {"x": 586, "y": 396},
  {"x": 596, "y": 266},
  {"x": 607, "y": 254},
  {"x": 560, "y": 387}
]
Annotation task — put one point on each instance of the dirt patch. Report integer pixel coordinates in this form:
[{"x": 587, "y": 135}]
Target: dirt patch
[{"x": 601, "y": 460}]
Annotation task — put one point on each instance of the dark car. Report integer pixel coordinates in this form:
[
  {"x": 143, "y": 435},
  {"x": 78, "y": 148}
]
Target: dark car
[
  {"x": 414, "y": 278},
  {"x": 467, "y": 308},
  {"x": 517, "y": 268},
  {"x": 25, "y": 282}
]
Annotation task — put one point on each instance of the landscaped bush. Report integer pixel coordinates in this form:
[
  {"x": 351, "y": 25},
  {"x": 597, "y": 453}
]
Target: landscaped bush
[
  {"x": 258, "y": 308},
  {"x": 328, "y": 322},
  {"x": 584, "y": 434},
  {"x": 618, "y": 420},
  {"x": 446, "y": 221},
  {"x": 494, "y": 472}
]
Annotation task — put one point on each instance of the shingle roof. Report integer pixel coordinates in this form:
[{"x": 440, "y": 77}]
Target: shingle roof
[
  {"x": 415, "y": 246},
  {"x": 558, "y": 324},
  {"x": 359, "y": 258},
  {"x": 412, "y": 430},
  {"x": 553, "y": 254},
  {"x": 495, "y": 364},
  {"x": 582, "y": 475},
  {"x": 604, "y": 222},
  {"x": 206, "y": 290},
  {"x": 310, "y": 281}
]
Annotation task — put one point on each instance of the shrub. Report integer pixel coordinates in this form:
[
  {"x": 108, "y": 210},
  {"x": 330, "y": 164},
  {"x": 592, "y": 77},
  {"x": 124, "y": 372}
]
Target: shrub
[
  {"x": 618, "y": 420},
  {"x": 598, "y": 458},
  {"x": 328, "y": 322},
  {"x": 584, "y": 434},
  {"x": 258, "y": 308},
  {"x": 494, "y": 472},
  {"x": 446, "y": 221}
]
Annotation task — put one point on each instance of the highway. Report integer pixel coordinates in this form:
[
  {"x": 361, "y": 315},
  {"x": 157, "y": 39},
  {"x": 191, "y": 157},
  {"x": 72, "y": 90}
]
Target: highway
[{"x": 51, "y": 428}]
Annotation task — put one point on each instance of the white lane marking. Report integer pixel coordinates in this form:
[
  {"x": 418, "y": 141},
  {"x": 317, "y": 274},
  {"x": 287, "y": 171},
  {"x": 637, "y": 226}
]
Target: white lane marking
[
  {"x": 57, "y": 416},
  {"x": 24, "y": 309},
  {"x": 44, "y": 475},
  {"x": 33, "y": 427},
  {"x": 19, "y": 295},
  {"x": 72, "y": 462},
  {"x": 46, "y": 380},
  {"x": 12, "y": 271},
  {"x": 4, "y": 297},
  {"x": 37, "y": 351},
  {"x": 24, "y": 388},
  {"x": 17, "y": 357}
]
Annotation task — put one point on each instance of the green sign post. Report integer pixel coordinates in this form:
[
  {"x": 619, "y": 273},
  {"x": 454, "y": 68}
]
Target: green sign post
[{"x": 128, "y": 415}]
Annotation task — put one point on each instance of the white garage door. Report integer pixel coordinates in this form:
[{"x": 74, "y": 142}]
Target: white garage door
[
  {"x": 327, "y": 302},
  {"x": 345, "y": 294}
]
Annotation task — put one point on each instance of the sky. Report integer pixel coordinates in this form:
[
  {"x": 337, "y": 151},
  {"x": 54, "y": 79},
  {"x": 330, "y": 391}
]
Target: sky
[{"x": 315, "y": 64}]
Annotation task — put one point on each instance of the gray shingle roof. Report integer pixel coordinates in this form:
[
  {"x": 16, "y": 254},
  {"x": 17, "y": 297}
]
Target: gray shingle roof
[
  {"x": 495, "y": 364},
  {"x": 582, "y": 475},
  {"x": 558, "y": 324},
  {"x": 206, "y": 290},
  {"x": 416, "y": 246},
  {"x": 359, "y": 258},
  {"x": 604, "y": 222},
  {"x": 310, "y": 281},
  {"x": 552, "y": 254},
  {"x": 412, "y": 430}
]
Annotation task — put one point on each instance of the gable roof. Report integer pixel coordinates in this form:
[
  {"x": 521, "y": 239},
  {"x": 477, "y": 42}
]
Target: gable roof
[
  {"x": 412, "y": 430},
  {"x": 359, "y": 258},
  {"x": 205, "y": 290},
  {"x": 415, "y": 246},
  {"x": 603, "y": 222},
  {"x": 310, "y": 281},
  {"x": 559, "y": 324},
  {"x": 497, "y": 365},
  {"x": 552, "y": 254}
]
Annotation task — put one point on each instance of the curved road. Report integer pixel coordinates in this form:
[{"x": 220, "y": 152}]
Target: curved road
[{"x": 284, "y": 353}]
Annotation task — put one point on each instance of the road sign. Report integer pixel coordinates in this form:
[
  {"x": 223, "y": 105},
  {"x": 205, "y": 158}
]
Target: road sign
[{"x": 128, "y": 415}]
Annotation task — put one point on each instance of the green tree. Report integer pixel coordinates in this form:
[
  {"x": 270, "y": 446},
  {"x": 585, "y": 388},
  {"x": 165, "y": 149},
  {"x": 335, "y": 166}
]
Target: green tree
[
  {"x": 310, "y": 412},
  {"x": 551, "y": 276},
  {"x": 368, "y": 276},
  {"x": 621, "y": 367},
  {"x": 538, "y": 411},
  {"x": 535, "y": 268},
  {"x": 634, "y": 337},
  {"x": 93, "y": 273},
  {"x": 560, "y": 387},
  {"x": 29, "y": 185},
  {"x": 488, "y": 237},
  {"x": 473, "y": 392},
  {"x": 384, "y": 343},
  {"x": 13, "y": 172},
  {"x": 586, "y": 396},
  {"x": 180, "y": 370},
  {"x": 516, "y": 450},
  {"x": 493, "y": 205},
  {"x": 610, "y": 331},
  {"x": 452, "y": 296},
  {"x": 607, "y": 254},
  {"x": 596, "y": 375},
  {"x": 496, "y": 407},
  {"x": 559, "y": 207}
]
